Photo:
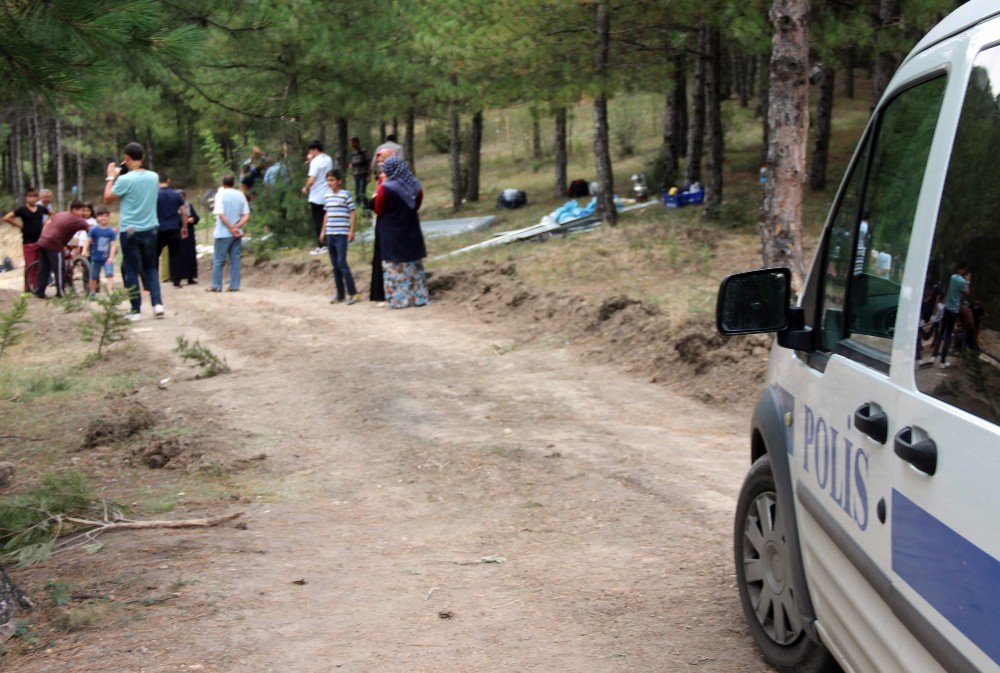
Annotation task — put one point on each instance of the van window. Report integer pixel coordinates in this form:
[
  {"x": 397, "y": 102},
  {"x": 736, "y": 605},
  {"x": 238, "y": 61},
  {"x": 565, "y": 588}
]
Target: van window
[
  {"x": 962, "y": 288},
  {"x": 873, "y": 222}
]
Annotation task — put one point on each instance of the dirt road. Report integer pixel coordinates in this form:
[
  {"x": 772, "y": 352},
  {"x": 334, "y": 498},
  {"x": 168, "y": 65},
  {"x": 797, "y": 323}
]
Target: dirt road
[{"x": 405, "y": 446}]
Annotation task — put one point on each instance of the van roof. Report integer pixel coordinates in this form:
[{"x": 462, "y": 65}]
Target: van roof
[{"x": 969, "y": 14}]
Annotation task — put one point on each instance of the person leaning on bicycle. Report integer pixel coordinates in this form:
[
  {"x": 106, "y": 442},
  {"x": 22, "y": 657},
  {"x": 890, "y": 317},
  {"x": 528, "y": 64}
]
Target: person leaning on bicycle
[{"x": 56, "y": 235}]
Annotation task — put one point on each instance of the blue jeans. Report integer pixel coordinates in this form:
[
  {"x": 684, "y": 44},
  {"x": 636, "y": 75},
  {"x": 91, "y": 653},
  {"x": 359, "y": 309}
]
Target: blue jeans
[
  {"x": 336, "y": 245},
  {"x": 139, "y": 260},
  {"x": 231, "y": 247},
  {"x": 360, "y": 189}
]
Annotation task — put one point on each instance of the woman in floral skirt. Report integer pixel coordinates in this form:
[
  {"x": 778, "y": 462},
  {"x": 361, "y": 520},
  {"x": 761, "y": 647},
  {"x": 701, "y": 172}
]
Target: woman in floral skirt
[{"x": 397, "y": 199}]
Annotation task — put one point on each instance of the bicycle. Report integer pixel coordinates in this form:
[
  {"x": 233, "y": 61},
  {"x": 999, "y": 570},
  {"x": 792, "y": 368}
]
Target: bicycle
[{"x": 76, "y": 274}]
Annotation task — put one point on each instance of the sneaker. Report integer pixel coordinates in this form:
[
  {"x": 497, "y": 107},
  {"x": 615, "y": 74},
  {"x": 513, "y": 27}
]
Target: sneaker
[
  {"x": 353, "y": 299},
  {"x": 212, "y": 289},
  {"x": 91, "y": 297},
  {"x": 336, "y": 300},
  {"x": 926, "y": 362},
  {"x": 944, "y": 365},
  {"x": 158, "y": 311},
  {"x": 232, "y": 289},
  {"x": 134, "y": 317},
  {"x": 317, "y": 251}
]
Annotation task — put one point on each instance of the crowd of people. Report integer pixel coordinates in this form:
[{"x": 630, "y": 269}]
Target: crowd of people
[{"x": 156, "y": 223}]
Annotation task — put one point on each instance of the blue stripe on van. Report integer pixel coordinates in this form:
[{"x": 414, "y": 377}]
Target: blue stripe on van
[{"x": 958, "y": 578}]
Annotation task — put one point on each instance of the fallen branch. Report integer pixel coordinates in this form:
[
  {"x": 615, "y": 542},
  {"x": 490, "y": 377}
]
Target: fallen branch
[{"x": 163, "y": 523}]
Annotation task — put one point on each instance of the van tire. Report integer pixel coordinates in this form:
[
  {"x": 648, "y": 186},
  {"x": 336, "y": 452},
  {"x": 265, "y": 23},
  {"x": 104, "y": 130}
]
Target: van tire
[{"x": 764, "y": 577}]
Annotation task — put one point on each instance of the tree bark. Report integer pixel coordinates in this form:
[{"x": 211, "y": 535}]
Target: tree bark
[
  {"x": 60, "y": 166},
  {"x": 764, "y": 102},
  {"x": 681, "y": 120},
  {"x": 36, "y": 150},
  {"x": 849, "y": 73},
  {"x": 150, "y": 162},
  {"x": 411, "y": 121},
  {"x": 561, "y": 184},
  {"x": 456, "y": 165},
  {"x": 79, "y": 161},
  {"x": 696, "y": 123},
  {"x": 780, "y": 223},
  {"x": 886, "y": 59},
  {"x": 475, "y": 149},
  {"x": 713, "y": 124},
  {"x": 536, "y": 134},
  {"x": 821, "y": 136},
  {"x": 16, "y": 162},
  {"x": 382, "y": 131},
  {"x": 395, "y": 127},
  {"x": 343, "y": 160},
  {"x": 740, "y": 78},
  {"x": 602, "y": 145},
  {"x": 675, "y": 100}
]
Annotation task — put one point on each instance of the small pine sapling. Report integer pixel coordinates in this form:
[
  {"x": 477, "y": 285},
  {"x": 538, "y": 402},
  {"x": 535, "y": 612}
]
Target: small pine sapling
[
  {"x": 12, "y": 322},
  {"x": 210, "y": 363},
  {"x": 108, "y": 324}
]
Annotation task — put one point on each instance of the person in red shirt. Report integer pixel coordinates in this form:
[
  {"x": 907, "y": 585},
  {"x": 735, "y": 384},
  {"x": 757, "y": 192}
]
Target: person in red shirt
[{"x": 56, "y": 235}]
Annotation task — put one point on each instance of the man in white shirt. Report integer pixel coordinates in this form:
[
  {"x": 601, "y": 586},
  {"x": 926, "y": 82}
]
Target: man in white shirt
[
  {"x": 320, "y": 164},
  {"x": 231, "y": 211}
]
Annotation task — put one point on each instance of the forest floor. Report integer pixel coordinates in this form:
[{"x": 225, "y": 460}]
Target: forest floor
[{"x": 381, "y": 459}]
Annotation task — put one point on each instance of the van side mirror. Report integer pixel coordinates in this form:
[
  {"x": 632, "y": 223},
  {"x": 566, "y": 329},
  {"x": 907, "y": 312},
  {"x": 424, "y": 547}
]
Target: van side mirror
[
  {"x": 754, "y": 302},
  {"x": 757, "y": 302}
]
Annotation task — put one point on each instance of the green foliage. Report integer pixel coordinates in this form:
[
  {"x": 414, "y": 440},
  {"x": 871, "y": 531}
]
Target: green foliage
[
  {"x": 279, "y": 213},
  {"x": 108, "y": 324},
  {"x": 215, "y": 157},
  {"x": 29, "y": 522},
  {"x": 69, "y": 301},
  {"x": 58, "y": 592},
  {"x": 12, "y": 322},
  {"x": 210, "y": 363}
]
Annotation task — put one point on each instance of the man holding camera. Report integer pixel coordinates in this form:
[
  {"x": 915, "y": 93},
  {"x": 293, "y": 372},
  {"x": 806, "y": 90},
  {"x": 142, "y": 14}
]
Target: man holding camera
[{"x": 137, "y": 190}]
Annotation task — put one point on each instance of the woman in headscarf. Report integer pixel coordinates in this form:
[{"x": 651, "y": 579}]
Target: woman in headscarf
[
  {"x": 401, "y": 243},
  {"x": 189, "y": 246}
]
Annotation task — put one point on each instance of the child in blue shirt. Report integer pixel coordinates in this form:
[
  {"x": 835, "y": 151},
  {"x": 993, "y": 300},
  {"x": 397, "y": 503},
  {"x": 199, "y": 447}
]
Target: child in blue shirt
[{"x": 102, "y": 244}]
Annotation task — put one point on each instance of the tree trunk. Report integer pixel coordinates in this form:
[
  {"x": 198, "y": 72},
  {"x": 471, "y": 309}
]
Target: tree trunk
[
  {"x": 681, "y": 120},
  {"x": 788, "y": 119},
  {"x": 79, "y": 162},
  {"x": 456, "y": 165},
  {"x": 150, "y": 162},
  {"x": 343, "y": 160},
  {"x": 411, "y": 122},
  {"x": 740, "y": 77},
  {"x": 36, "y": 150},
  {"x": 536, "y": 134},
  {"x": 475, "y": 149},
  {"x": 561, "y": 185},
  {"x": 765, "y": 101},
  {"x": 886, "y": 58},
  {"x": 696, "y": 124},
  {"x": 381, "y": 131},
  {"x": 713, "y": 124},
  {"x": 60, "y": 167},
  {"x": 821, "y": 136},
  {"x": 849, "y": 73},
  {"x": 16, "y": 162},
  {"x": 602, "y": 145},
  {"x": 395, "y": 127},
  {"x": 670, "y": 150}
]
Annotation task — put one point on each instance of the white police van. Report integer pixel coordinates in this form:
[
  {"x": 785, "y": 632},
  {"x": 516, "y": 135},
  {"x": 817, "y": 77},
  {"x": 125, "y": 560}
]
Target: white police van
[{"x": 868, "y": 528}]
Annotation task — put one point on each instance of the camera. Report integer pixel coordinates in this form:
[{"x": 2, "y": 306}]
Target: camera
[{"x": 122, "y": 168}]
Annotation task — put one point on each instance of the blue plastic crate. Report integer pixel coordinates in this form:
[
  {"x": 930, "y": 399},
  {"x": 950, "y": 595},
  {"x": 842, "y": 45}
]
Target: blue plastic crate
[
  {"x": 692, "y": 198},
  {"x": 672, "y": 201}
]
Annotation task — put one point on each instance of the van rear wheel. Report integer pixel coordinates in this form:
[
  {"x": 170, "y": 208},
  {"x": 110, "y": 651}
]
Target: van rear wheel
[{"x": 765, "y": 578}]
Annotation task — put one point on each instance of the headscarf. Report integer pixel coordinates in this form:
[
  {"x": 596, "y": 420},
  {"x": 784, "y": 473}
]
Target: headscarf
[{"x": 401, "y": 180}]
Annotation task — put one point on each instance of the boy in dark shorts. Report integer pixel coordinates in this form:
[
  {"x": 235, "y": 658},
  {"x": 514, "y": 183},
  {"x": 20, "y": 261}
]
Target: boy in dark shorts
[
  {"x": 102, "y": 242},
  {"x": 32, "y": 216}
]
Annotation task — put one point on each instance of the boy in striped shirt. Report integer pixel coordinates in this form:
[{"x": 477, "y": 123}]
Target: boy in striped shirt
[{"x": 337, "y": 232}]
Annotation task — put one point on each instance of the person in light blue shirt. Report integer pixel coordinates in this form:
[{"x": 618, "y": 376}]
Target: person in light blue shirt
[
  {"x": 231, "y": 211},
  {"x": 958, "y": 287},
  {"x": 136, "y": 190}
]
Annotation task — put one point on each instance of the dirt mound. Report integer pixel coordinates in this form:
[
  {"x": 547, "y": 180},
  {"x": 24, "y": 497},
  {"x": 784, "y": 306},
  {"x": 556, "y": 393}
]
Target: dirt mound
[
  {"x": 118, "y": 426},
  {"x": 618, "y": 329},
  {"x": 159, "y": 452}
]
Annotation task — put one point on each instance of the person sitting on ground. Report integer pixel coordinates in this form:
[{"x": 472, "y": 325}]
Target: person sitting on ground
[
  {"x": 56, "y": 235},
  {"x": 338, "y": 231},
  {"x": 102, "y": 244}
]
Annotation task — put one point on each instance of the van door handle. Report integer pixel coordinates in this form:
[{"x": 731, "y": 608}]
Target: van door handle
[
  {"x": 873, "y": 423},
  {"x": 922, "y": 455}
]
